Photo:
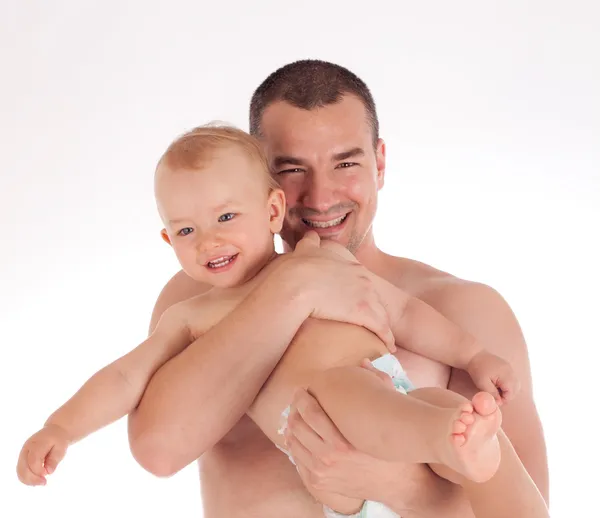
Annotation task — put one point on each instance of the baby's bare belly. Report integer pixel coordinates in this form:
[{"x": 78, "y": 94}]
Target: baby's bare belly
[{"x": 318, "y": 346}]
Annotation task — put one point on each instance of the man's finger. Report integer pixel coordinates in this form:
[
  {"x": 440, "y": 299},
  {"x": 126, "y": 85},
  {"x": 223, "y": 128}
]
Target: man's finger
[
  {"x": 301, "y": 432},
  {"x": 299, "y": 453},
  {"x": 310, "y": 240},
  {"x": 339, "y": 250},
  {"x": 389, "y": 340},
  {"x": 376, "y": 320},
  {"x": 306, "y": 476},
  {"x": 315, "y": 417}
]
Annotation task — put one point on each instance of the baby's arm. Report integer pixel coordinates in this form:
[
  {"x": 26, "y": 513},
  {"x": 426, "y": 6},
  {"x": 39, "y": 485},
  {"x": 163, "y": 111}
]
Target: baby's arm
[
  {"x": 419, "y": 328},
  {"x": 108, "y": 395}
]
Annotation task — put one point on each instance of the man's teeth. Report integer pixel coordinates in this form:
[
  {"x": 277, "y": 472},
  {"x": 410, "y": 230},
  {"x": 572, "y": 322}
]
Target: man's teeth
[
  {"x": 221, "y": 261},
  {"x": 325, "y": 224}
]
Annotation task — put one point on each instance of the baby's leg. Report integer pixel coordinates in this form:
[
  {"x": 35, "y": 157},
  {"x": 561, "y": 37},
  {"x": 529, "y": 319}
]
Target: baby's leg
[
  {"x": 475, "y": 452},
  {"x": 510, "y": 492},
  {"x": 379, "y": 421}
]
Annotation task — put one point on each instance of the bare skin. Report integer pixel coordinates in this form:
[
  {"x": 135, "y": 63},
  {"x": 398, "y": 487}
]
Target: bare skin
[
  {"x": 241, "y": 461},
  {"x": 245, "y": 441},
  {"x": 325, "y": 356}
]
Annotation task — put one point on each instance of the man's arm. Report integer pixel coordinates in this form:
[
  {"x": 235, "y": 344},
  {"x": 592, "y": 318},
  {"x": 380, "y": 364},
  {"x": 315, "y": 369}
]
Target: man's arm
[
  {"x": 195, "y": 398},
  {"x": 482, "y": 311}
]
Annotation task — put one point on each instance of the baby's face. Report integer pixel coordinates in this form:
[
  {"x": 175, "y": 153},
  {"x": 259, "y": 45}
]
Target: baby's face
[{"x": 220, "y": 219}]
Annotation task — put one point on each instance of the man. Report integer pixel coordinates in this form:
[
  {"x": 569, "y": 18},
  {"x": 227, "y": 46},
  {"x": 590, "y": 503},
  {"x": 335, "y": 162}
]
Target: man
[{"x": 320, "y": 130}]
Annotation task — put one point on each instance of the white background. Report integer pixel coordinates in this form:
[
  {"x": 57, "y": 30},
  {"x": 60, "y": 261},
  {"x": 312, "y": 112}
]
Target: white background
[{"x": 491, "y": 116}]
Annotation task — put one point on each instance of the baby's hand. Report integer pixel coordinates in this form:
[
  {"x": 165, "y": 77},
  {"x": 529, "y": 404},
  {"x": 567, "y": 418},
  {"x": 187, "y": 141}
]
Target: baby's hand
[
  {"x": 492, "y": 374},
  {"x": 40, "y": 455}
]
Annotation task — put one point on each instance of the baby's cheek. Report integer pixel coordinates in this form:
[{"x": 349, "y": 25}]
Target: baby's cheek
[{"x": 186, "y": 257}]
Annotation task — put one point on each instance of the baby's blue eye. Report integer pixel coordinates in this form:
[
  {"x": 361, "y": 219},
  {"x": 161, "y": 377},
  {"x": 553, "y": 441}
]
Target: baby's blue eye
[
  {"x": 185, "y": 231},
  {"x": 226, "y": 217}
]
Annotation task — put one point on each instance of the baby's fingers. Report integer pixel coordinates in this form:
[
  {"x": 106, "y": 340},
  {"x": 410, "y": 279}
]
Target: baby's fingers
[
  {"x": 509, "y": 388},
  {"x": 35, "y": 458},
  {"x": 487, "y": 385},
  {"x": 55, "y": 455},
  {"x": 26, "y": 476}
]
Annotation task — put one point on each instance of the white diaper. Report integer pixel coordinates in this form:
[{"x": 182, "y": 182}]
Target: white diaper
[{"x": 368, "y": 510}]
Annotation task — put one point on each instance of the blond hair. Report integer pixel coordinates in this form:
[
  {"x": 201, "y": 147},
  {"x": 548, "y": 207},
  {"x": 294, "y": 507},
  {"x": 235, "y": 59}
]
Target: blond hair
[{"x": 195, "y": 148}]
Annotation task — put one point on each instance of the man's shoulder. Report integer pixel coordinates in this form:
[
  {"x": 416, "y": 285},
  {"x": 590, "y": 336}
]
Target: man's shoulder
[
  {"x": 418, "y": 278},
  {"x": 181, "y": 287},
  {"x": 440, "y": 289},
  {"x": 475, "y": 306}
]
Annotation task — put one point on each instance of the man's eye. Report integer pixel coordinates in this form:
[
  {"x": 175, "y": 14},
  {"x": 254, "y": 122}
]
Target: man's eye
[
  {"x": 185, "y": 231},
  {"x": 345, "y": 165},
  {"x": 226, "y": 217},
  {"x": 292, "y": 170}
]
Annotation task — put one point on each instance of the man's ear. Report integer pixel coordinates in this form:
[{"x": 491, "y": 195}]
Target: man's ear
[
  {"x": 165, "y": 236},
  {"x": 380, "y": 159},
  {"x": 276, "y": 210}
]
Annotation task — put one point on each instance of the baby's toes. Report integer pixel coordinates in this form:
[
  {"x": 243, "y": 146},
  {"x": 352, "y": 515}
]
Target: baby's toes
[
  {"x": 459, "y": 427},
  {"x": 466, "y": 407},
  {"x": 467, "y": 418},
  {"x": 458, "y": 439}
]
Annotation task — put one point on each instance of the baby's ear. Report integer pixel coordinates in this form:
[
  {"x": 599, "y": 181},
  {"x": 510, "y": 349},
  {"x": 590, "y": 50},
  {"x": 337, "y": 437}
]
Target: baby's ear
[
  {"x": 165, "y": 236},
  {"x": 276, "y": 210}
]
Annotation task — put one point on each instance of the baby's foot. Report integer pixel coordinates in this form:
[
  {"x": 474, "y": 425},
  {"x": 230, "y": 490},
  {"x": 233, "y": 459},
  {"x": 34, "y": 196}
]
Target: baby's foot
[{"x": 474, "y": 449}]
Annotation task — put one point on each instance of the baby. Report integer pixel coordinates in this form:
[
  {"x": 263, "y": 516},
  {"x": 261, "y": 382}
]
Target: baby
[{"x": 221, "y": 208}]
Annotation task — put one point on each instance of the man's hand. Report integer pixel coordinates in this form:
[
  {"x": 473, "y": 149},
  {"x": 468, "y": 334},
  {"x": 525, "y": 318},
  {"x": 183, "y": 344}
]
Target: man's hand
[
  {"x": 336, "y": 286},
  {"x": 326, "y": 461},
  {"x": 495, "y": 375}
]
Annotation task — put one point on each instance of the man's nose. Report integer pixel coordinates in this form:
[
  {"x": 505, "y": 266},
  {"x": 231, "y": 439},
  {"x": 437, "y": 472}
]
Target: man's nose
[{"x": 320, "y": 192}]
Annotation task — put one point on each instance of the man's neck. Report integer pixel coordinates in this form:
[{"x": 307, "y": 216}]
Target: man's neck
[{"x": 368, "y": 254}]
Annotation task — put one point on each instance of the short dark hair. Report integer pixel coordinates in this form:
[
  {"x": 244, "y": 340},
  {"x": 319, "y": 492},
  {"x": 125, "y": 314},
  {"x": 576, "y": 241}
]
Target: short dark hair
[{"x": 309, "y": 84}]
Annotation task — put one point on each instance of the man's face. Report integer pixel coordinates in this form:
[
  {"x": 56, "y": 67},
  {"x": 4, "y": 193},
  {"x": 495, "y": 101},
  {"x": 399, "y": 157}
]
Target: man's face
[{"x": 326, "y": 164}]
